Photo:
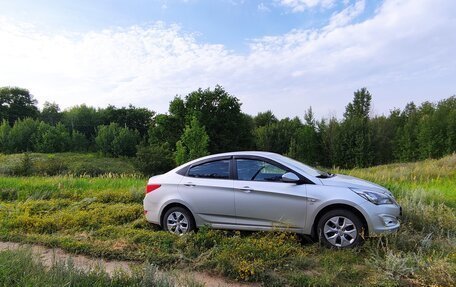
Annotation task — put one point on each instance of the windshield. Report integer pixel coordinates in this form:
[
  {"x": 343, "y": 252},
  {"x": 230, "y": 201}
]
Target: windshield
[{"x": 307, "y": 169}]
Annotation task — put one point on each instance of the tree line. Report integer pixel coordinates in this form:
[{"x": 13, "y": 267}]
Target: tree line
[{"x": 211, "y": 121}]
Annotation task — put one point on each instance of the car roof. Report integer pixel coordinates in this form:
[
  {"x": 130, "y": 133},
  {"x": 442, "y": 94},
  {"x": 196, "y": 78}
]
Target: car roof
[{"x": 252, "y": 153}]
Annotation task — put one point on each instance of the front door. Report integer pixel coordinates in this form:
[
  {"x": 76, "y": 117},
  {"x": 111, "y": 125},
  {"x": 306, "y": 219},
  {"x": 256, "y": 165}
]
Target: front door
[{"x": 263, "y": 200}]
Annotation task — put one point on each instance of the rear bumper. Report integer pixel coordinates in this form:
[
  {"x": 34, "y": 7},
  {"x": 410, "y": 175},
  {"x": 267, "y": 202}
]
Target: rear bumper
[{"x": 151, "y": 212}]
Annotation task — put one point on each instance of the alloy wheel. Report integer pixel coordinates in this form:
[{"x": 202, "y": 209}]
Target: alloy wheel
[
  {"x": 177, "y": 223},
  {"x": 340, "y": 231}
]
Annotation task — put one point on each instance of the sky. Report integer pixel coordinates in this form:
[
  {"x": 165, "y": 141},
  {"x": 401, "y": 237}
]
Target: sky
[{"x": 279, "y": 55}]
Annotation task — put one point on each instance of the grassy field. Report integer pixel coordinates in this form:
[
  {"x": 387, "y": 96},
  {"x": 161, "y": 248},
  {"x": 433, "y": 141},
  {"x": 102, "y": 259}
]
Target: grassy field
[
  {"x": 102, "y": 216},
  {"x": 23, "y": 268},
  {"x": 75, "y": 164}
]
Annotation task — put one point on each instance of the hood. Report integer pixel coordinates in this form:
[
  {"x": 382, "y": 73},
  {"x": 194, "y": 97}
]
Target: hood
[{"x": 341, "y": 180}]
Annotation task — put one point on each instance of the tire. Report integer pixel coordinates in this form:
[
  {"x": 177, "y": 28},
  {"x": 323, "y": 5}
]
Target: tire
[
  {"x": 178, "y": 220},
  {"x": 340, "y": 228}
]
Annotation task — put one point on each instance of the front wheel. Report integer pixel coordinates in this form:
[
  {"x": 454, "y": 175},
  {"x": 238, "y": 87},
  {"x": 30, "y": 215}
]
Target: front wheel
[
  {"x": 340, "y": 228},
  {"x": 178, "y": 220}
]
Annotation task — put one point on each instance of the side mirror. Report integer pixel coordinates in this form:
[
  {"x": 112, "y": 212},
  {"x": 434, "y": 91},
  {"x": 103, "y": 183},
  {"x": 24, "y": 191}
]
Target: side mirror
[{"x": 290, "y": 177}]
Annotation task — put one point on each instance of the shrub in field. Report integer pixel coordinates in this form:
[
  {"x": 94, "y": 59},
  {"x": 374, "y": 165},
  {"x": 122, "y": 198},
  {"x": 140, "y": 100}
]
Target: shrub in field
[
  {"x": 78, "y": 142},
  {"x": 154, "y": 159},
  {"x": 25, "y": 166},
  {"x": 65, "y": 164},
  {"x": 52, "y": 138},
  {"x": 193, "y": 143},
  {"x": 52, "y": 166},
  {"x": 22, "y": 135},
  {"x": 5, "y": 129},
  {"x": 116, "y": 141}
]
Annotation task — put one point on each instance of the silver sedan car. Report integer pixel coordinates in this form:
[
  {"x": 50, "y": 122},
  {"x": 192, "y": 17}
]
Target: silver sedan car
[{"x": 267, "y": 191}]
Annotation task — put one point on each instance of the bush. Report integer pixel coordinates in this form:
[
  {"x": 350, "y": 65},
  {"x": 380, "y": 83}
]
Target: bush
[
  {"x": 116, "y": 141},
  {"x": 25, "y": 166},
  {"x": 52, "y": 166},
  {"x": 22, "y": 135},
  {"x": 5, "y": 129},
  {"x": 84, "y": 164},
  {"x": 52, "y": 138},
  {"x": 154, "y": 159},
  {"x": 124, "y": 144},
  {"x": 78, "y": 142}
]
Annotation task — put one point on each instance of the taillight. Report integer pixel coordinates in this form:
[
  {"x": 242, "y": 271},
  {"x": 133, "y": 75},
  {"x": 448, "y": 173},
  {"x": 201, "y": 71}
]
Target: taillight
[{"x": 152, "y": 187}]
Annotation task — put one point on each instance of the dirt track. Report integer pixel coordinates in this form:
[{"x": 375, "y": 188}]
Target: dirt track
[{"x": 50, "y": 255}]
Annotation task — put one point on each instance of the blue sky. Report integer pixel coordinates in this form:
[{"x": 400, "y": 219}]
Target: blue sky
[
  {"x": 229, "y": 22},
  {"x": 283, "y": 55}
]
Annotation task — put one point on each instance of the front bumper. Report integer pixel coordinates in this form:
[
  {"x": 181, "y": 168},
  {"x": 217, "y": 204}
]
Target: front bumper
[{"x": 382, "y": 218}]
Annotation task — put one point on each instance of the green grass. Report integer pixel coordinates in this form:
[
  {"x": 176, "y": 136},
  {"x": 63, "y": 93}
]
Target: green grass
[
  {"x": 77, "y": 164},
  {"x": 103, "y": 217},
  {"x": 435, "y": 180},
  {"x": 22, "y": 268}
]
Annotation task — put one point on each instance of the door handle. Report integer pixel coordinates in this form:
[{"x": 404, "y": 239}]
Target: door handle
[
  {"x": 189, "y": 184},
  {"x": 246, "y": 189}
]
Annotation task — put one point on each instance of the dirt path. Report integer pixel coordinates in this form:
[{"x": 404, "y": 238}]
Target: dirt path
[{"x": 50, "y": 255}]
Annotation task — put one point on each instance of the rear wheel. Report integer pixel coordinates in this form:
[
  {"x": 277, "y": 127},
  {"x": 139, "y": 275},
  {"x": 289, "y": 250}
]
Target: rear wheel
[
  {"x": 178, "y": 220},
  {"x": 340, "y": 228}
]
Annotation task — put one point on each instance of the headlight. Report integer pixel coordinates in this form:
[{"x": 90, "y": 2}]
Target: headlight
[{"x": 374, "y": 197}]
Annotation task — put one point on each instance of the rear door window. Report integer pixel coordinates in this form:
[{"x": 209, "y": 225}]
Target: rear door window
[{"x": 219, "y": 169}]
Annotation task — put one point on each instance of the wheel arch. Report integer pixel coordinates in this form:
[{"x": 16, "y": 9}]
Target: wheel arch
[
  {"x": 339, "y": 206},
  {"x": 175, "y": 204}
]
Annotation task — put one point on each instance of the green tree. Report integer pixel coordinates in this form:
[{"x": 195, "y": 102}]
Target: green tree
[
  {"x": 134, "y": 118},
  {"x": 115, "y": 141},
  {"x": 168, "y": 128},
  {"x": 193, "y": 143},
  {"x": 451, "y": 132},
  {"x": 52, "y": 138},
  {"x": 78, "y": 142},
  {"x": 105, "y": 137},
  {"x": 277, "y": 137},
  {"x": 83, "y": 119},
  {"x": 305, "y": 144},
  {"x": 165, "y": 129},
  {"x": 406, "y": 138},
  {"x": 154, "y": 159},
  {"x": 22, "y": 135},
  {"x": 5, "y": 129},
  {"x": 443, "y": 129},
  {"x": 265, "y": 119},
  {"x": 51, "y": 113},
  {"x": 355, "y": 145},
  {"x": 16, "y": 103},
  {"x": 329, "y": 131},
  {"x": 220, "y": 114},
  {"x": 425, "y": 138},
  {"x": 125, "y": 142}
]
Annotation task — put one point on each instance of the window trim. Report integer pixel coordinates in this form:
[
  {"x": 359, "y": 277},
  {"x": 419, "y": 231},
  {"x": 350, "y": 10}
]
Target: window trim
[
  {"x": 302, "y": 179},
  {"x": 185, "y": 170}
]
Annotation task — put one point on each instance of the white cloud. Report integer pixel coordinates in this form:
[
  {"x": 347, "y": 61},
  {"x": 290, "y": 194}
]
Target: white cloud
[
  {"x": 263, "y": 8},
  {"x": 346, "y": 15},
  {"x": 405, "y": 52},
  {"x": 302, "y": 5}
]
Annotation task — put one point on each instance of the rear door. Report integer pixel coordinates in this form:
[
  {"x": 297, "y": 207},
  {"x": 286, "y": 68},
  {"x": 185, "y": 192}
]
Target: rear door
[
  {"x": 263, "y": 200},
  {"x": 208, "y": 189}
]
